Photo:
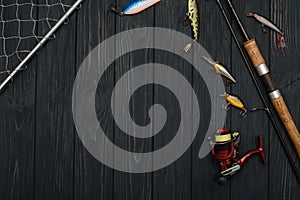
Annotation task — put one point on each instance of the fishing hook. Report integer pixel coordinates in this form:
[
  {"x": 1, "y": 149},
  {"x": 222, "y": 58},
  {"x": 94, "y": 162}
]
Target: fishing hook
[
  {"x": 185, "y": 20},
  {"x": 113, "y": 8}
]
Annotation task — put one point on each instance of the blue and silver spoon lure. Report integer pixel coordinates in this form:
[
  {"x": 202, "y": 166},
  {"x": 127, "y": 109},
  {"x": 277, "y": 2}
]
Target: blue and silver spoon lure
[{"x": 134, "y": 7}]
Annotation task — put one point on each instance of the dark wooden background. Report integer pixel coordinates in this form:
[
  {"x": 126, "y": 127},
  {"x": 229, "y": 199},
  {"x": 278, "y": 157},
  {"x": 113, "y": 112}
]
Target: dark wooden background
[{"x": 41, "y": 156}]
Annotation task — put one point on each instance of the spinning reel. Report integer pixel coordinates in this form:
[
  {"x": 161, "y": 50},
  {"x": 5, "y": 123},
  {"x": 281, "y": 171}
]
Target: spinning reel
[{"x": 225, "y": 149}]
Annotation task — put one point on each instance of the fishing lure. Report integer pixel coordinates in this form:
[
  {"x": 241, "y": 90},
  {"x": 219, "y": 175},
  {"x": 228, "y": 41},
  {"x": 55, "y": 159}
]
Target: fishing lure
[
  {"x": 265, "y": 22},
  {"x": 134, "y": 7},
  {"x": 220, "y": 69},
  {"x": 235, "y": 101},
  {"x": 193, "y": 16}
]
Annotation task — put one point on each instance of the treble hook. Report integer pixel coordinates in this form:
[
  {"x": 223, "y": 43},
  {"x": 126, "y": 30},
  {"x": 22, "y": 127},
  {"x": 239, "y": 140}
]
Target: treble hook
[
  {"x": 185, "y": 20},
  {"x": 263, "y": 28},
  {"x": 114, "y": 9},
  {"x": 243, "y": 113}
]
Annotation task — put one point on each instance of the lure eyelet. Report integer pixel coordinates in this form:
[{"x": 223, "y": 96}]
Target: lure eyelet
[{"x": 223, "y": 95}]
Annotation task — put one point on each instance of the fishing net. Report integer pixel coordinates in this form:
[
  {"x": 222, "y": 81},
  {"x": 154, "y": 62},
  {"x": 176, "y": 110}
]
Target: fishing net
[{"x": 23, "y": 25}]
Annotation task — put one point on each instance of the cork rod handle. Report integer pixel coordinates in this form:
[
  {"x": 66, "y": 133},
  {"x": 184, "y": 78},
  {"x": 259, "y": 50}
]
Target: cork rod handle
[
  {"x": 287, "y": 121},
  {"x": 276, "y": 98}
]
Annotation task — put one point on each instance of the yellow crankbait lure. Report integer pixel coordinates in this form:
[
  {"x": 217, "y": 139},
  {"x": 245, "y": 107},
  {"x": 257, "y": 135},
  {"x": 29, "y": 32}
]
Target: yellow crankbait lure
[{"x": 235, "y": 101}]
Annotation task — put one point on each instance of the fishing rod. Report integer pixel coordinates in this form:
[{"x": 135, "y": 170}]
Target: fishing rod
[{"x": 264, "y": 101}]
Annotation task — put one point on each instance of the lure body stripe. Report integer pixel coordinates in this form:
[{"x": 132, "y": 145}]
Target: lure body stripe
[
  {"x": 265, "y": 22},
  {"x": 193, "y": 14},
  {"x": 136, "y": 6}
]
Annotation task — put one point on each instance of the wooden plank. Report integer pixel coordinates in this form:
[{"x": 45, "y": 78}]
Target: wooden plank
[
  {"x": 54, "y": 125},
  {"x": 215, "y": 38},
  {"x": 126, "y": 185},
  {"x": 17, "y": 128},
  {"x": 39, "y": 156},
  {"x": 253, "y": 177},
  {"x": 283, "y": 64},
  {"x": 94, "y": 180},
  {"x": 173, "y": 181}
]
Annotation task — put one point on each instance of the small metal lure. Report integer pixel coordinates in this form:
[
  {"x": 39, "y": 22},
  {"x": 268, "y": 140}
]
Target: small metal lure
[
  {"x": 265, "y": 22},
  {"x": 235, "y": 101},
  {"x": 193, "y": 16},
  {"x": 134, "y": 7},
  {"x": 220, "y": 69}
]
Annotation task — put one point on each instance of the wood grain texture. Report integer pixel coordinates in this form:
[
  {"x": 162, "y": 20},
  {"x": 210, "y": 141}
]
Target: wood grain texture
[
  {"x": 256, "y": 123},
  {"x": 282, "y": 65},
  {"x": 54, "y": 154},
  {"x": 174, "y": 178},
  {"x": 126, "y": 185},
  {"x": 93, "y": 180},
  {"x": 216, "y": 39},
  {"x": 17, "y": 131},
  {"x": 42, "y": 157}
]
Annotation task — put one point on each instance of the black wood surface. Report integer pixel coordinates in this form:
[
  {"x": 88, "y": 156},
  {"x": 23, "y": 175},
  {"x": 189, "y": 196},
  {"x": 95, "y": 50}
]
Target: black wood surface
[{"x": 42, "y": 157}]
